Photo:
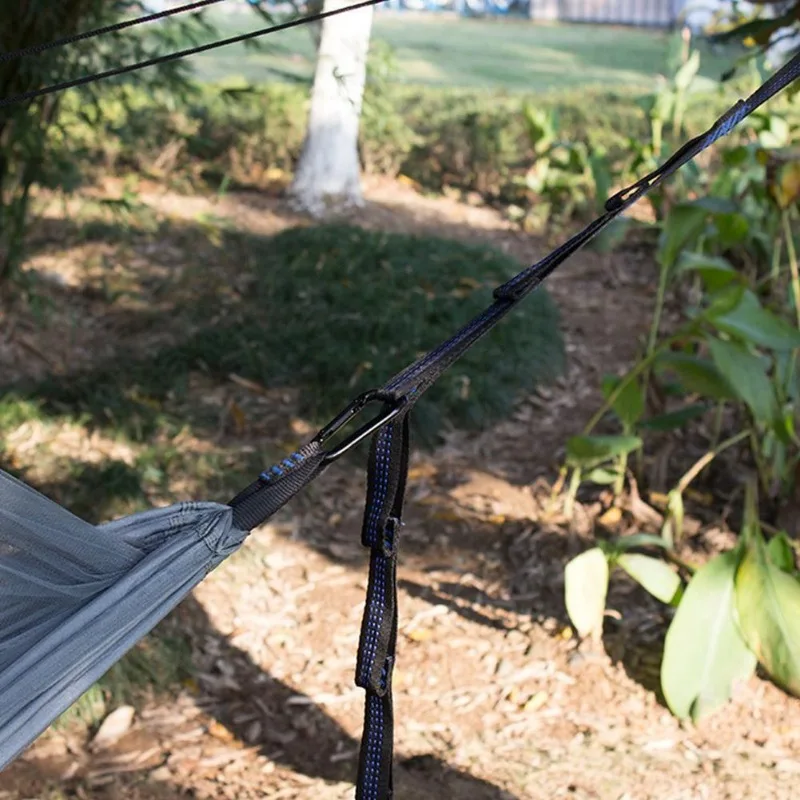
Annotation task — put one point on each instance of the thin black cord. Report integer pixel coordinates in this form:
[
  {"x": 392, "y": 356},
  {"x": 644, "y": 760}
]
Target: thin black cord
[
  {"x": 117, "y": 26},
  {"x": 58, "y": 87}
]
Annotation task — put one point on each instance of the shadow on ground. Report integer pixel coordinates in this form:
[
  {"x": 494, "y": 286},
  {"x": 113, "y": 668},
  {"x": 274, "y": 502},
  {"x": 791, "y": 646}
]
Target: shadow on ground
[{"x": 283, "y": 724}]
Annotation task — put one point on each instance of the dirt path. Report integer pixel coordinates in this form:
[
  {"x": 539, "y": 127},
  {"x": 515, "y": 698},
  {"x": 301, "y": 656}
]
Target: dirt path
[{"x": 493, "y": 699}]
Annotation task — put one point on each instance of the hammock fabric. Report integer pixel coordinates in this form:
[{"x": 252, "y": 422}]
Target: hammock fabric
[{"x": 75, "y": 597}]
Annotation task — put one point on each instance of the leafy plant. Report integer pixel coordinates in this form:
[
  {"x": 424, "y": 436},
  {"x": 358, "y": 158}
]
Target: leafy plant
[
  {"x": 728, "y": 266},
  {"x": 562, "y": 173},
  {"x": 386, "y": 138},
  {"x": 28, "y": 131},
  {"x": 740, "y": 608}
]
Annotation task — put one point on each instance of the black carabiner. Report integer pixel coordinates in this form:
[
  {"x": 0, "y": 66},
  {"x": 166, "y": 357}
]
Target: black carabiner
[{"x": 392, "y": 407}]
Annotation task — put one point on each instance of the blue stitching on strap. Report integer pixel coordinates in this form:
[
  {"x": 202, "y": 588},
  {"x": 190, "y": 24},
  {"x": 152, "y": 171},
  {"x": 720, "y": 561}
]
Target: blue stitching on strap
[{"x": 374, "y": 735}]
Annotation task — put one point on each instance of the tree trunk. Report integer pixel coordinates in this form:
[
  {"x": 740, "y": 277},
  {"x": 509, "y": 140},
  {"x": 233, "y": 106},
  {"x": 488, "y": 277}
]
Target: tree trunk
[{"x": 328, "y": 172}]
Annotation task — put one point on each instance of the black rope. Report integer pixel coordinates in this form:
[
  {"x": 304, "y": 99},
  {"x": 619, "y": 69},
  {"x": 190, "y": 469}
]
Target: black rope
[
  {"x": 117, "y": 26},
  {"x": 110, "y": 73}
]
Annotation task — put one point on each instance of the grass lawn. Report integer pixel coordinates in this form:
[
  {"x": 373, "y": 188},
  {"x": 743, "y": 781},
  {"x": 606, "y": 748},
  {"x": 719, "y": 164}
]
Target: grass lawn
[{"x": 443, "y": 50}]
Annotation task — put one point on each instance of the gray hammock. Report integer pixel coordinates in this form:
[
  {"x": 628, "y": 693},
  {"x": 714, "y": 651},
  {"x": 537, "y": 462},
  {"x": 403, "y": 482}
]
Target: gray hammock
[{"x": 75, "y": 597}]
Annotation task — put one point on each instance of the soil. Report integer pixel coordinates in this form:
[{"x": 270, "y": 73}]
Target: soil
[{"x": 494, "y": 697}]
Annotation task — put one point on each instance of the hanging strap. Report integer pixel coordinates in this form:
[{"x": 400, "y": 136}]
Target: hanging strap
[
  {"x": 386, "y": 480},
  {"x": 388, "y": 458}
]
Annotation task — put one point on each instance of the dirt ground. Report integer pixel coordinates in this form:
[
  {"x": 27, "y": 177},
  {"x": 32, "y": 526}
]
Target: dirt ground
[{"x": 494, "y": 698}]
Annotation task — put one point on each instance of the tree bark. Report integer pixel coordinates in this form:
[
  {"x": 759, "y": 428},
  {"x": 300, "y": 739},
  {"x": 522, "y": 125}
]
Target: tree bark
[{"x": 328, "y": 176}]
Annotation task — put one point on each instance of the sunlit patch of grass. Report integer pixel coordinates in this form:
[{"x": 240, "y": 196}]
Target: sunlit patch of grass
[{"x": 328, "y": 311}]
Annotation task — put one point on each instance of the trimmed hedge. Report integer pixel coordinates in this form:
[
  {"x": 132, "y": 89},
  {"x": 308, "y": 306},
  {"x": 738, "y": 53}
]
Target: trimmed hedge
[{"x": 472, "y": 140}]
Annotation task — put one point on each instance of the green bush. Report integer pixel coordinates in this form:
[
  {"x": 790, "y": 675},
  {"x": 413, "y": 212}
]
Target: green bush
[
  {"x": 721, "y": 378},
  {"x": 333, "y": 311},
  {"x": 477, "y": 141}
]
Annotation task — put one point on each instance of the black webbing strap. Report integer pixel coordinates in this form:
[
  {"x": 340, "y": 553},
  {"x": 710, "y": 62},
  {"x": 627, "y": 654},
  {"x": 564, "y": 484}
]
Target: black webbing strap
[
  {"x": 388, "y": 459},
  {"x": 386, "y": 481},
  {"x": 275, "y": 486}
]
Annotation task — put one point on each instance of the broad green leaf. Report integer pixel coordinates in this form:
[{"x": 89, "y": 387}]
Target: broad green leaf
[
  {"x": 585, "y": 590},
  {"x": 768, "y": 602},
  {"x": 652, "y": 574},
  {"x": 629, "y": 405},
  {"x": 602, "y": 475},
  {"x": 716, "y": 205},
  {"x": 704, "y": 653},
  {"x": 697, "y": 375},
  {"x": 732, "y": 228},
  {"x": 780, "y": 552},
  {"x": 590, "y": 451},
  {"x": 724, "y": 300},
  {"x": 674, "y": 419},
  {"x": 684, "y": 223},
  {"x": 747, "y": 374},
  {"x": 714, "y": 271},
  {"x": 753, "y": 323}
]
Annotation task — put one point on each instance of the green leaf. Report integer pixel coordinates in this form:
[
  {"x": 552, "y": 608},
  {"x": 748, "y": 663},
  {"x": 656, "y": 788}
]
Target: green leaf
[
  {"x": 768, "y": 602},
  {"x": 585, "y": 590},
  {"x": 672, "y": 530},
  {"x": 778, "y": 134},
  {"x": 714, "y": 271},
  {"x": 629, "y": 405},
  {"x": 602, "y": 475},
  {"x": 674, "y": 419},
  {"x": 640, "y": 540},
  {"x": 716, "y": 205},
  {"x": 590, "y": 451},
  {"x": 684, "y": 223},
  {"x": 753, "y": 323},
  {"x": 747, "y": 374},
  {"x": 686, "y": 74},
  {"x": 732, "y": 228},
  {"x": 724, "y": 300},
  {"x": 652, "y": 574},
  {"x": 780, "y": 552},
  {"x": 704, "y": 653},
  {"x": 697, "y": 375},
  {"x": 602, "y": 177}
]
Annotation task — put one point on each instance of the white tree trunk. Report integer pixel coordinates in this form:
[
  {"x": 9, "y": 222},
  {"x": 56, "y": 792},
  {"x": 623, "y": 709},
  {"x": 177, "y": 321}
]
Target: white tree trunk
[{"x": 328, "y": 172}]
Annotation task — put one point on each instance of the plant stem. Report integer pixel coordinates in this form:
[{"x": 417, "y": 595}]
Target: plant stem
[
  {"x": 572, "y": 493},
  {"x": 792, "y": 254},
  {"x": 653, "y": 337},
  {"x": 707, "y": 458},
  {"x": 660, "y": 296},
  {"x": 622, "y": 466},
  {"x": 637, "y": 370},
  {"x": 776, "y": 258},
  {"x": 762, "y": 470}
]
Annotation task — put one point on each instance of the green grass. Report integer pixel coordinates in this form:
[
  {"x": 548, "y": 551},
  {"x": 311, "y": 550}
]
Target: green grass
[
  {"x": 509, "y": 54},
  {"x": 331, "y": 311}
]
